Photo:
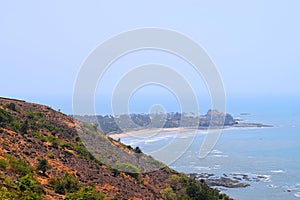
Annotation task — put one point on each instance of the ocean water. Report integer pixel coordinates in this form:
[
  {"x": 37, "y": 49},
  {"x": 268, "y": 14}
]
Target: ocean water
[{"x": 270, "y": 157}]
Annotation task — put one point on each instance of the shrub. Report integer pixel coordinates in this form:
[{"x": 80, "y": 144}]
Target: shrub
[
  {"x": 34, "y": 115},
  {"x": 50, "y": 155},
  {"x": 37, "y": 135},
  {"x": 87, "y": 193},
  {"x": 5, "y": 117},
  {"x": 19, "y": 166},
  {"x": 168, "y": 194},
  {"x": 29, "y": 195},
  {"x": 5, "y": 194},
  {"x": 3, "y": 164},
  {"x": 175, "y": 182},
  {"x": 193, "y": 191},
  {"x": 59, "y": 187},
  {"x": 55, "y": 142},
  {"x": 43, "y": 166},
  {"x": 11, "y": 106},
  {"x": 29, "y": 114},
  {"x": 27, "y": 183},
  {"x": 68, "y": 183},
  {"x": 71, "y": 183},
  {"x": 15, "y": 126},
  {"x": 29, "y": 189},
  {"x": 137, "y": 150},
  {"x": 24, "y": 127}
]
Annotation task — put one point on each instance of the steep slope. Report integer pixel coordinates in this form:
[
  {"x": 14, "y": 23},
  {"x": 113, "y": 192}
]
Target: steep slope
[{"x": 42, "y": 157}]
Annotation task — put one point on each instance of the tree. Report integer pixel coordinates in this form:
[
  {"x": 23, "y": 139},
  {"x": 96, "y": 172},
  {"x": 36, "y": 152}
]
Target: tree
[{"x": 43, "y": 166}]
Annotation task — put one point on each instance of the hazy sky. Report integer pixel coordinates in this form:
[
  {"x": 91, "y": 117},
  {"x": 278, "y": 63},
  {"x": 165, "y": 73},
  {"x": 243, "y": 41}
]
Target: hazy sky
[{"x": 254, "y": 44}]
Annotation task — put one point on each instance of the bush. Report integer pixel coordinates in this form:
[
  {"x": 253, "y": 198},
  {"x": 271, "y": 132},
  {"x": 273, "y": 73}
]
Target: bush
[
  {"x": 168, "y": 194},
  {"x": 27, "y": 183},
  {"x": 34, "y": 115},
  {"x": 5, "y": 194},
  {"x": 29, "y": 195},
  {"x": 19, "y": 166},
  {"x": 137, "y": 150},
  {"x": 71, "y": 183},
  {"x": 59, "y": 187},
  {"x": 50, "y": 155},
  {"x": 68, "y": 183},
  {"x": 193, "y": 191},
  {"x": 3, "y": 164},
  {"x": 43, "y": 166},
  {"x": 24, "y": 127},
  {"x": 11, "y": 106},
  {"x": 175, "y": 182},
  {"x": 5, "y": 117},
  {"x": 87, "y": 193},
  {"x": 15, "y": 126}
]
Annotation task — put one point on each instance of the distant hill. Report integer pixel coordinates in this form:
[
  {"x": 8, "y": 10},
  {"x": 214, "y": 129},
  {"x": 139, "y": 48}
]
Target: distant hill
[
  {"x": 43, "y": 157},
  {"x": 110, "y": 124}
]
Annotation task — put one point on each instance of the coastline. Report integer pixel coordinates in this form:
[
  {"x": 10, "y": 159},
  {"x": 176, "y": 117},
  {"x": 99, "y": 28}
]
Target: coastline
[
  {"x": 153, "y": 131},
  {"x": 150, "y": 132}
]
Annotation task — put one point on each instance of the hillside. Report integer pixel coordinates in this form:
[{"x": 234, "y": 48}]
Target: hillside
[{"x": 43, "y": 157}]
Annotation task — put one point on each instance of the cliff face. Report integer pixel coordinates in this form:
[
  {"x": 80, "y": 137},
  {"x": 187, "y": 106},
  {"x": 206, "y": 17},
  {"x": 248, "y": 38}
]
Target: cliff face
[{"x": 41, "y": 156}]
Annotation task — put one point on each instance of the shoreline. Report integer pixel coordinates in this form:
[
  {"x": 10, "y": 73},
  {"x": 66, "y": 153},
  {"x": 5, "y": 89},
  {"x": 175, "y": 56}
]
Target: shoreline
[
  {"x": 154, "y": 131},
  {"x": 150, "y": 132}
]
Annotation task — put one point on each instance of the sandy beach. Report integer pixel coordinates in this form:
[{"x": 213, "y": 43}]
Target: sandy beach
[{"x": 150, "y": 132}]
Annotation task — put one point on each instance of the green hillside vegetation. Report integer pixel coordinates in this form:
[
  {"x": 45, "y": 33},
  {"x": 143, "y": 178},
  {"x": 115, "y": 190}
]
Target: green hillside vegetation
[{"x": 43, "y": 157}]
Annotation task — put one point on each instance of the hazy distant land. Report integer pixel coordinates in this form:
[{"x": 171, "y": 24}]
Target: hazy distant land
[{"x": 143, "y": 124}]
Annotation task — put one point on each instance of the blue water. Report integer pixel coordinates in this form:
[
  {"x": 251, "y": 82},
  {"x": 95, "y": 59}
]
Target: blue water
[{"x": 272, "y": 153}]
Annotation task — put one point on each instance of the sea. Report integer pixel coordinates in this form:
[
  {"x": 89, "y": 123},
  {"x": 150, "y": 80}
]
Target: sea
[{"x": 269, "y": 157}]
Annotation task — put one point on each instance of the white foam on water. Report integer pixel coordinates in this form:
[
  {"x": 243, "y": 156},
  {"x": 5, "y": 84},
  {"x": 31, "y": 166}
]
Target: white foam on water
[
  {"x": 184, "y": 137},
  {"x": 264, "y": 178},
  {"x": 272, "y": 186},
  {"x": 220, "y": 156},
  {"x": 215, "y": 151},
  {"x": 278, "y": 171},
  {"x": 297, "y": 194},
  {"x": 202, "y": 168},
  {"x": 217, "y": 167}
]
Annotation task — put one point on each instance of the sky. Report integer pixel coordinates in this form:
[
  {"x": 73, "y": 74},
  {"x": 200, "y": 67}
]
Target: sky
[{"x": 254, "y": 44}]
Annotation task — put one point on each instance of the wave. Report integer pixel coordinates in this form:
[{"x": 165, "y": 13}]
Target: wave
[
  {"x": 202, "y": 168},
  {"x": 297, "y": 195},
  {"x": 215, "y": 151},
  {"x": 272, "y": 186},
  {"x": 278, "y": 171},
  {"x": 220, "y": 156},
  {"x": 217, "y": 167}
]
